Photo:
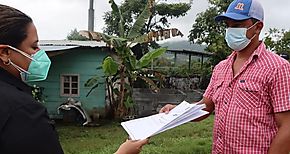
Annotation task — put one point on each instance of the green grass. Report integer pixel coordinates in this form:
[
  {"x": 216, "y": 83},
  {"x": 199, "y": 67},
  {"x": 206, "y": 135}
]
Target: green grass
[{"x": 191, "y": 138}]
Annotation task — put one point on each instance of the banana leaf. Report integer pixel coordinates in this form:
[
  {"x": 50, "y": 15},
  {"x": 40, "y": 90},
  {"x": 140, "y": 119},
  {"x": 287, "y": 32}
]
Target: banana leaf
[
  {"x": 148, "y": 57},
  {"x": 129, "y": 103},
  {"x": 118, "y": 13},
  {"x": 92, "y": 81},
  {"x": 110, "y": 66},
  {"x": 141, "y": 39},
  {"x": 140, "y": 22}
]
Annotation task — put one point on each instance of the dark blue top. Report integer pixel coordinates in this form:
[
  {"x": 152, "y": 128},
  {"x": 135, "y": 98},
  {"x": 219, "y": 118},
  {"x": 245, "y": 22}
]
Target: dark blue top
[{"x": 25, "y": 127}]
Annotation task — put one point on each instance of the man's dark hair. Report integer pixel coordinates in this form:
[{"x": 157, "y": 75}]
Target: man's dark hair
[
  {"x": 254, "y": 20},
  {"x": 13, "y": 26}
]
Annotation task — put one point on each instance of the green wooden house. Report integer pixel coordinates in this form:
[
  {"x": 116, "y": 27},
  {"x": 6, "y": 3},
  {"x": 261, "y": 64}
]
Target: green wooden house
[{"x": 73, "y": 63}]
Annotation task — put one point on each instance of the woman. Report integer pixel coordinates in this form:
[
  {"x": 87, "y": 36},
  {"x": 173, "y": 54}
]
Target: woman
[{"x": 25, "y": 127}]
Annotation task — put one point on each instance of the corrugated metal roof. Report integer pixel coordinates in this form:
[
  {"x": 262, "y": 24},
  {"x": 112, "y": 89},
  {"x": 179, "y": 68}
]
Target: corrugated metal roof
[
  {"x": 57, "y": 48},
  {"x": 71, "y": 43},
  {"x": 56, "y": 45}
]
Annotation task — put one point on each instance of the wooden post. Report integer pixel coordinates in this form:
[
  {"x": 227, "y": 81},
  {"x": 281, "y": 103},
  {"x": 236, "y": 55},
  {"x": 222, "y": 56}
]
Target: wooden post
[
  {"x": 175, "y": 58},
  {"x": 189, "y": 65},
  {"x": 201, "y": 62}
]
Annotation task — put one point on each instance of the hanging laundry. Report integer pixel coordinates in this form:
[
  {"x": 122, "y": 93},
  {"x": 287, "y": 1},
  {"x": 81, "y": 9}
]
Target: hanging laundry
[
  {"x": 166, "y": 33},
  {"x": 174, "y": 32}
]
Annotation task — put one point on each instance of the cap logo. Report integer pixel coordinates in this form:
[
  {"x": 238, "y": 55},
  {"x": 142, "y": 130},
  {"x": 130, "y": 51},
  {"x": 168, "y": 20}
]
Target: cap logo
[{"x": 240, "y": 6}]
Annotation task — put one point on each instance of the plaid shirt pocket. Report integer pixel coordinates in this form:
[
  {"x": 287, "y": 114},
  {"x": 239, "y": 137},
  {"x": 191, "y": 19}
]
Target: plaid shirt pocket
[{"x": 249, "y": 95}]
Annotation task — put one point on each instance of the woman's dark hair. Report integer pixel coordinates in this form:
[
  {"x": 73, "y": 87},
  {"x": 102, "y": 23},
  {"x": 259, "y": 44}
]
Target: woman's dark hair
[{"x": 13, "y": 26}]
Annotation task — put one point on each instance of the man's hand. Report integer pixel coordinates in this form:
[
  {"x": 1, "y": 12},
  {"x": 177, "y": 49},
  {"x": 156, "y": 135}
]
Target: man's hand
[
  {"x": 167, "y": 108},
  {"x": 131, "y": 147},
  {"x": 209, "y": 106}
]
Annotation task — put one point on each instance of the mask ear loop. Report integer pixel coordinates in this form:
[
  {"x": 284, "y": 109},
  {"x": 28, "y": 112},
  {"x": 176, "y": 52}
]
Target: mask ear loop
[
  {"x": 253, "y": 37},
  {"x": 15, "y": 66},
  {"x": 21, "y": 52},
  {"x": 252, "y": 27},
  {"x": 18, "y": 68}
]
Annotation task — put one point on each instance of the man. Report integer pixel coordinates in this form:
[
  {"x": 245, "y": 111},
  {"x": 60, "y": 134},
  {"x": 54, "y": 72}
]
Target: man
[{"x": 250, "y": 90}]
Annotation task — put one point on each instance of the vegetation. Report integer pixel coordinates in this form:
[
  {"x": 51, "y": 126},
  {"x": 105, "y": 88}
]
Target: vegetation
[
  {"x": 156, "y": 25},
  {"x": 191, "y": 138},
  {"x": 158, "y": 19},
  {"x": 206, "y": 30},
  {"x": 124, "y": 68},
  {"x": 278, "y": 40},
  {"x": 37, "y": 93},
  {"x": 74, "y": 35},
  {"x": 168, "y": 68}
]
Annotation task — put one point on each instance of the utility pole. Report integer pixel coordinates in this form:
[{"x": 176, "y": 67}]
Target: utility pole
[{"x": 91, "y": 16}]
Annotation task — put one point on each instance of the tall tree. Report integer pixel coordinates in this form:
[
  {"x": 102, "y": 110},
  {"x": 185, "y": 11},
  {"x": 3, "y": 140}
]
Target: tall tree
[
  {"x": 278, "y": 41},
  {"x": 206, "y": 30},
  {"x": 160, "y": 10},
  {"x": 158, "y": 20}
]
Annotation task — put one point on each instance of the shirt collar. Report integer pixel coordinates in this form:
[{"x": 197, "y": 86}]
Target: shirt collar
[
  {"x": 257, "y": 53},
  {"x": 12, "y": 80},
  {"x": 260, "y": 49}
]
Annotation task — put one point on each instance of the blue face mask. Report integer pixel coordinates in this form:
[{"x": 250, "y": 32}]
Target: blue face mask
[
  {"x": 236, "y": 38},
  {"x": 38, "y": 68}
]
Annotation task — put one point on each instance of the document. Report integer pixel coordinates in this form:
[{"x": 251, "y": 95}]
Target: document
[{"x": 143, "y": 128}]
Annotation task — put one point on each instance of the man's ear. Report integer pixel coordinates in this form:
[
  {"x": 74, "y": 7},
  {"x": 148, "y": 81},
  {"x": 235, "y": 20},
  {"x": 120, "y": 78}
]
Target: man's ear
[
  {"x": 260, "y": 26},
  {"x": 4, "y": 53}
]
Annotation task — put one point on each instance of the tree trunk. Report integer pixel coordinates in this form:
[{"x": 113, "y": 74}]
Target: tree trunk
[
  {"x": 111, "y": 106},
  {"x": 121, "y": 107}
]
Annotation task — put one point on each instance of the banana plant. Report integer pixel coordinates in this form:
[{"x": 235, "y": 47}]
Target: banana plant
[{"x": 121, "y": 72}]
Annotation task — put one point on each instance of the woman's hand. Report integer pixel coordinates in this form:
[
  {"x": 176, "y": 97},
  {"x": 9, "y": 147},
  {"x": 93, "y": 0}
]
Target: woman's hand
[{"x": 131, "y": 147}]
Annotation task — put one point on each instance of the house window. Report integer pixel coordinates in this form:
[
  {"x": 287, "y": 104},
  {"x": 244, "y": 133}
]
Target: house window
[{"x": 70, "y": 85}]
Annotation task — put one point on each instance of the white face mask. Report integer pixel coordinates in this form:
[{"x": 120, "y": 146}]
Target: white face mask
[{"x": 236, "y": 38}]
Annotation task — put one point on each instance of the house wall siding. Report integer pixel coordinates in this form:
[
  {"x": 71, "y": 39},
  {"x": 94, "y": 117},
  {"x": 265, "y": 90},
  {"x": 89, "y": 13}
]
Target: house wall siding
[{"x": 82, "y": 61}]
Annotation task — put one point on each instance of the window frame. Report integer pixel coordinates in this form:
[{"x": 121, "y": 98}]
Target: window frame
[{"x": 70, "y": 88}]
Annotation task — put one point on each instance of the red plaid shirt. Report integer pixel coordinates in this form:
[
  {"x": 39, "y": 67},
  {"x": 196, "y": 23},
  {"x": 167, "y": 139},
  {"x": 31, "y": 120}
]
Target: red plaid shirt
[{"x": 245, "y": 104}]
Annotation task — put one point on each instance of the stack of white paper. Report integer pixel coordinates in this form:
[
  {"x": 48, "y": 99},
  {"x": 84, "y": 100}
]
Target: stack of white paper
[{"x": 143, "y": 128}]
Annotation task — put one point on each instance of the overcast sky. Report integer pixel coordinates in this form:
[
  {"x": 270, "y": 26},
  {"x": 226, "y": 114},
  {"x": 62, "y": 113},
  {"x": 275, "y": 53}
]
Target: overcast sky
[{"x": 56, "y": 18}]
